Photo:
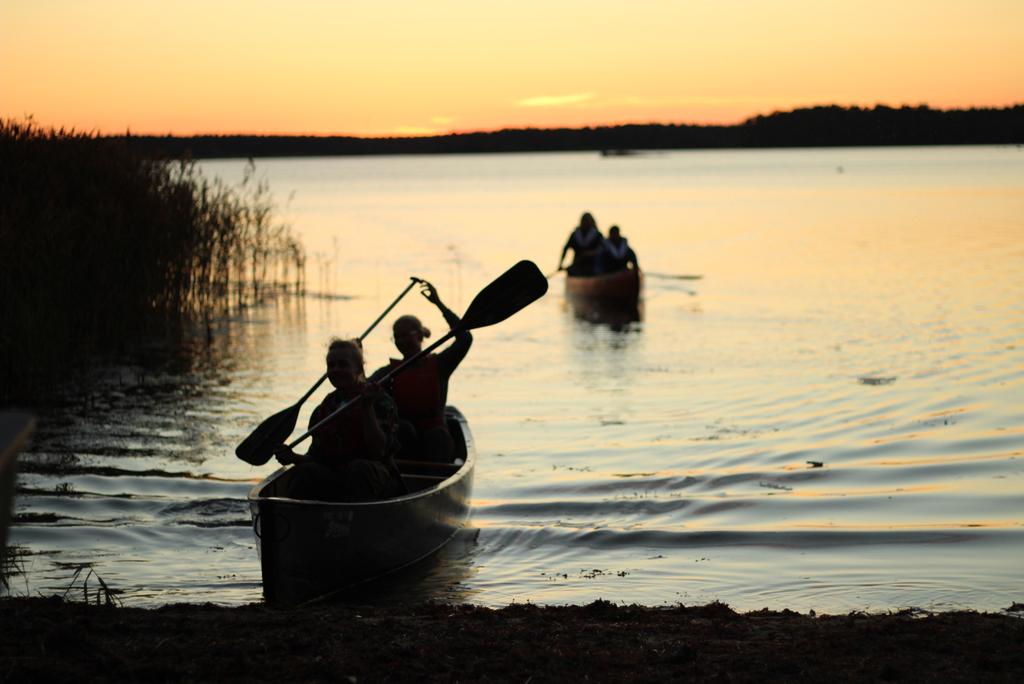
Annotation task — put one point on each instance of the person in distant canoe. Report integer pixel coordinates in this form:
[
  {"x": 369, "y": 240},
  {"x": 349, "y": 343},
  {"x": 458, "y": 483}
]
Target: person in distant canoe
[
  {"x": 350, "y": 458},
  {"x": 421, "y": 390},
  {"x": 615, "y": 254},
  {"x": 584, "y": 242}
]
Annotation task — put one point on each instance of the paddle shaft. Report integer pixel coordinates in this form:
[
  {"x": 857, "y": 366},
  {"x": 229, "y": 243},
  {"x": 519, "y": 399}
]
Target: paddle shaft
[
  {"x": 671, "y": 276},
  {"x": 380, "y": 318}
]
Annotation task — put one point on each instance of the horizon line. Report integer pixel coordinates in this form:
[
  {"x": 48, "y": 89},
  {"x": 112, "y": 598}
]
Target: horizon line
[{"x": 457, "y": 132}]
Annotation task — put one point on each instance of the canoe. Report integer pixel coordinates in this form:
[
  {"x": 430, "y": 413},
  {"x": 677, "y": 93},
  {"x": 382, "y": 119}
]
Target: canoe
[
  {"x": 309, "y": 549},
  {"x": 621, "y": 286},
  {"x": 15, "y": 430}
]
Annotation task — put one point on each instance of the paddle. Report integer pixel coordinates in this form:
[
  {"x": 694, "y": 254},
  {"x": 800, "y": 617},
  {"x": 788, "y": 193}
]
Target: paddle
[
  {"x": 258, "y": 447},
  {"x": 670, "y": 276},
  {"x": 510, "y": 293},
  {"x": 556, "y": 271}
]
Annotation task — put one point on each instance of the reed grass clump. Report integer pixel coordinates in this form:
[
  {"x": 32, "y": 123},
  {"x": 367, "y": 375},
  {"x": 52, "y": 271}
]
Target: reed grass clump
[{"x": 101, "y": 243}]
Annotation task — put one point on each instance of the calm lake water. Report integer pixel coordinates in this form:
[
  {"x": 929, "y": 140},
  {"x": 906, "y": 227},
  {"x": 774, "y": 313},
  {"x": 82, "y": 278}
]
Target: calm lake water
[{"x": 859, "y": 308}]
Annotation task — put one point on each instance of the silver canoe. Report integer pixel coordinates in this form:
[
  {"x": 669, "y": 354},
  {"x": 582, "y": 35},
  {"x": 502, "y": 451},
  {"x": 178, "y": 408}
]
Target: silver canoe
[{"x": 312, "y": 548}]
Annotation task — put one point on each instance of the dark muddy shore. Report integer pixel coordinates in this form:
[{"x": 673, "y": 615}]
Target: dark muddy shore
[{"x": 51, "y": 640}]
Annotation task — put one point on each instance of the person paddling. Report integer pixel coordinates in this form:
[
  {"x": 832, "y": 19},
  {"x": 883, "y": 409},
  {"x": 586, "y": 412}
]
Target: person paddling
[
  {"x": 352, "y": 457},
  {"x": 615, "y": 254},
  {"x": 421, "y": 391},
  {"x": 584, "y": 241}
]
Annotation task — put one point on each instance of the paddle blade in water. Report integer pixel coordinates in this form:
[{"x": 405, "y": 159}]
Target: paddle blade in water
[
  {"x": 511, "y": 292},
  {"x": 258, "y": 447}
]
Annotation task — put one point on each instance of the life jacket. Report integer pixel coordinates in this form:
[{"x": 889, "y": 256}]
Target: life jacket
[
  {"x": 417, "y": 391},
  {"x": 618, "y": 253},
  {"x": 342, "y": 439},
  {"x": 582, "y": 241},
  {"x": 612, "y": 257}
]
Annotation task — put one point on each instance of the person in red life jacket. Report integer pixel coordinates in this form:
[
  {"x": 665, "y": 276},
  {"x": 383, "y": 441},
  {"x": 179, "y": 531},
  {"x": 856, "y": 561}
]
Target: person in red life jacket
[
  {"x": 584, "y": 242},
  {"x": 421, "y": 390},
  {"x": 350, "y": 458},
  {"x": 615, "y": 254}
]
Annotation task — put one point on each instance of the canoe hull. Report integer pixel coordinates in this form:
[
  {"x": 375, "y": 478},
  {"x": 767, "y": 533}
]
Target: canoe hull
[
  {"x": 312, "y": 548},
  {"x": 621, "y": 286}
]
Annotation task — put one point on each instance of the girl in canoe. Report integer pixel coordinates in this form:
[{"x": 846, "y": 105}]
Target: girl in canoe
[
  {"x": 584, "y": 242},
  {"x": 421, "y": 390},
  {"x": 350, "y": 458}
]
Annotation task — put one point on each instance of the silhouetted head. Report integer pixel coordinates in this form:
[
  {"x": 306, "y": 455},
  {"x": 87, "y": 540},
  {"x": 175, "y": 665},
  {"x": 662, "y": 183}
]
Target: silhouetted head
[
  {"x": 345, "y": 365},
  {"x": 614, "y": 235},
  {"x": 409, "y": 334},
  {"x": 587, "y": 222}
]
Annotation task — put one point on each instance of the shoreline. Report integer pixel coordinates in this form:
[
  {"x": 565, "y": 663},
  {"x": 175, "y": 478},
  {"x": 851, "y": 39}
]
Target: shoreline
[
  {"x": 54, "y": 640},
  {"x": 811, "y": 127}
]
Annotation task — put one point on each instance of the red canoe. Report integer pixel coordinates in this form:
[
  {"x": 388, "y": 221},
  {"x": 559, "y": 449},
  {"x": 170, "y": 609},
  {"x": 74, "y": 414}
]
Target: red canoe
[{"x": 621, "y": 286}]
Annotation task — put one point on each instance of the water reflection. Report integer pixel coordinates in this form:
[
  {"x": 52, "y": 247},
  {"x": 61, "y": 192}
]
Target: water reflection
[{"x": 618, "y": 316}]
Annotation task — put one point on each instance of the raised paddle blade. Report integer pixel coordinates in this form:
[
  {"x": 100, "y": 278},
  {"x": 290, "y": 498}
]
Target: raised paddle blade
[
  {"x": 258, "y": 447},
  {"x": 511, "y": 292}
]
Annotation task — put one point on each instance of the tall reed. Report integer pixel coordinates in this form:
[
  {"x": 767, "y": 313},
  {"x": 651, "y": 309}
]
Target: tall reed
[{"x": 99, "y": 243}]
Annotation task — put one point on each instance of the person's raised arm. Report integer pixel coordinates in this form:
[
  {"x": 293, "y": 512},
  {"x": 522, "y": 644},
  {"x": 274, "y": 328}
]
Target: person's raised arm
[
  {"x": 430, "y": 292},
  {"x": 451, "y": 357}
]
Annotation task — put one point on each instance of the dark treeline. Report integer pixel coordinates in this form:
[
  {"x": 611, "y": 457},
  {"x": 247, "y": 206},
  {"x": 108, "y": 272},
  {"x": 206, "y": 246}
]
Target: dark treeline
[
  {"x": 102, "y": 243},
  {"x": 812, "y": 127}
]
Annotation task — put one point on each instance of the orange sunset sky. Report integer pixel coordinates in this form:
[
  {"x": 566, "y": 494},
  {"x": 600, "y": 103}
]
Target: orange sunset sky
[{"x": 414, "y": 67}]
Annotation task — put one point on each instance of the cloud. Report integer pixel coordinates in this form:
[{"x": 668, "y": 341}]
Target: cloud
[
  {"x": 591, "y": 101},
  {"x": 555, "y": 100}
]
